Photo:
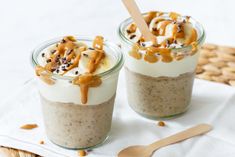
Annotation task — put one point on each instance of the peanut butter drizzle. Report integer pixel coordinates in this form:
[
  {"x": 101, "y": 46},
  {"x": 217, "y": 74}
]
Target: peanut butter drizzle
[
  {"x": 44, "y": 75},
  {"x": 70, "y": 51},
  {"x": 86, "y": 81},
  {"x": 152, "y": 52},
  {"x": 98, "y": 43},
  {"x": 132, "y": 28},
  {"x": 164, "y": 52},
  {"x": 149, "y": 17},
  {"x": 95, "y": 59},
  {"x": 135, "y": 52},
  {"x": 163, "y": 27},
  {"x": 150, "y": 56},
  {"x": 193, "y": 37},
  {"x": 174, "y": 15}
]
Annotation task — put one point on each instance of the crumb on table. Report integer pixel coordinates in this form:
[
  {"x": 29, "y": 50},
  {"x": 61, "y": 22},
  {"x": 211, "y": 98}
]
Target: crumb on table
[
  {"x": 82, "y": 153},
  {"x": 161, "y": 123},
  {"x": 29, "y": 126}
]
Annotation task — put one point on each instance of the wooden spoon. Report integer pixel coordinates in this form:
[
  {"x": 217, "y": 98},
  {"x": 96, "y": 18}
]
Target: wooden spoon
[
  {"x": 147, "y": 151},
  {"x": 139, "y": 20}
]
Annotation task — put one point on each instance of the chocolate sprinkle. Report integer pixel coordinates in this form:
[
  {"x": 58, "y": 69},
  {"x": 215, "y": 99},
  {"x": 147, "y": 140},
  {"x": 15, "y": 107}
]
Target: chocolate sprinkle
[
  {"x": 167, "y": 43},
  {"x": 85, "y": 55},
  {"x": 90, "y": 48},
  {"x": 154, "y": 29},
  {"x": 179, "y": 28},
  {"x": 64, "y": 68},
  {"x": 63, "y": 41},
  {"x": 53, "y": 51},
  {"x": 69, "y": 52},
  {"x": 143, "y": 44},
  {"x": 64, "y": 60},
  {"x": 68, "y": 64},
  {"x": 43, "y": 54},
  {"x": 132, "y": 36},
  {"x": 128, "y": 31},
  {"x": 76, "y": 72},
  {"x": 48, "y": 60}
]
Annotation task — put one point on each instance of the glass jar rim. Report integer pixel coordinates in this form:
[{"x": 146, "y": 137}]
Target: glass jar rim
[
  {"x": 113, "y": 47},
  {"x": 129, "y": 20}
]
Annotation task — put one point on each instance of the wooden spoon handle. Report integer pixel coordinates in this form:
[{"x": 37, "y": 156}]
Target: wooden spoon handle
[
  {"x": 191, "y": 132},
  {"x": 139, "y": 20}
]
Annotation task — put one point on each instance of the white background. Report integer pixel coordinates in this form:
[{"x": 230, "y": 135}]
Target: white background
[{"x": 26, "y": 23}]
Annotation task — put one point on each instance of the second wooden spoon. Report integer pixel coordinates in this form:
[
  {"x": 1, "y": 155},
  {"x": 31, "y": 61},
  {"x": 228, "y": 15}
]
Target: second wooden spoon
[{"x": 147, "y": 151}]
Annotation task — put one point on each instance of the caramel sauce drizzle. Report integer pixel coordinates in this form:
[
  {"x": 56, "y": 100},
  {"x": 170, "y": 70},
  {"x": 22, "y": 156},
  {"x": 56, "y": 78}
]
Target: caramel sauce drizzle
[
  {"x": 69, "y": 51},
  {"x": 161, "y": 51}
]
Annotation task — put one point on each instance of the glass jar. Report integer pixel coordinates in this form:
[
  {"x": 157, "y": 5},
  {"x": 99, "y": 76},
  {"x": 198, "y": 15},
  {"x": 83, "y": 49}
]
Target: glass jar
[
  {"x": 68, "y": 122},
  {"x": 160, "y": 90}
]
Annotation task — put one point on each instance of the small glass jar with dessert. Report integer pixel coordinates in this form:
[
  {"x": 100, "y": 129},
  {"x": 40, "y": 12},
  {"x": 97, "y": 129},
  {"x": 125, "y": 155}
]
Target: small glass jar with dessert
[
  {"x": 160, "y": 74},
  {"x": 77, "y": 81}
]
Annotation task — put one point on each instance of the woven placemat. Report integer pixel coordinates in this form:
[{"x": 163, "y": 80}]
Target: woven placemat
[{"x": 216, "y": 63}]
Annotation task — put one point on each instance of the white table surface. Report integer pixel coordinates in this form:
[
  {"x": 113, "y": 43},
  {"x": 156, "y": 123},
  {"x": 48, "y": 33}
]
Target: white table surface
[{"x": 26, "y": 23}]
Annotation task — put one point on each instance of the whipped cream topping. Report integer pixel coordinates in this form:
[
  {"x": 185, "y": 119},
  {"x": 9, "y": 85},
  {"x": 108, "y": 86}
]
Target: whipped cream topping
[
  {"x": 70, "y": 57},
  {"x": 160, "y": 59}
]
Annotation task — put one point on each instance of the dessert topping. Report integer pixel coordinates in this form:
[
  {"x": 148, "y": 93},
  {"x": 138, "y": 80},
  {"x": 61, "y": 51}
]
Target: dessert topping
[
  {"x": 175, "y": 31},
  {"x": 67, "y": 55}
]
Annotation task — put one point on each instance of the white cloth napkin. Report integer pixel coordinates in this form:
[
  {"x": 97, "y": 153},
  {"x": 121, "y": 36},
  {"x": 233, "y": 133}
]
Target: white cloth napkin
[{"x": 212, "y": 103}]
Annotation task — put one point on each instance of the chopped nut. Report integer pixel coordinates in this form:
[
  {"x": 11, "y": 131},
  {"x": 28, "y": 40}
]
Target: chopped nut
[
  {"x": 161, "y": 123},
  {"x": 41, "y": 142},
  {"x": 82, "y": 153},
  {"x": 29, "y": 126}
]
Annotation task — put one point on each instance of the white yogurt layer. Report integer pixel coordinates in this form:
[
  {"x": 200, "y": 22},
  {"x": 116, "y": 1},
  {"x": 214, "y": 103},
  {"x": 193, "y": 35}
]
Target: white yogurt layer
[
  {"x": 158, "y": 69},
  {"x": 65, "y": 92}
]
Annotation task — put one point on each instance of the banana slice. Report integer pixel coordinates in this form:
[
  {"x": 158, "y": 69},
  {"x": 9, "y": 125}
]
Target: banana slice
[
  {"x": 190, "y": 35},
  {"x": 85, "y": 58}
]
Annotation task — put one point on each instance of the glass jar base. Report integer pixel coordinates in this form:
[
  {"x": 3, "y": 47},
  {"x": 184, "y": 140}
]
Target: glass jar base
[
  {"x": 82, "y": 148},
  {"x": 160, "y": 117}
]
